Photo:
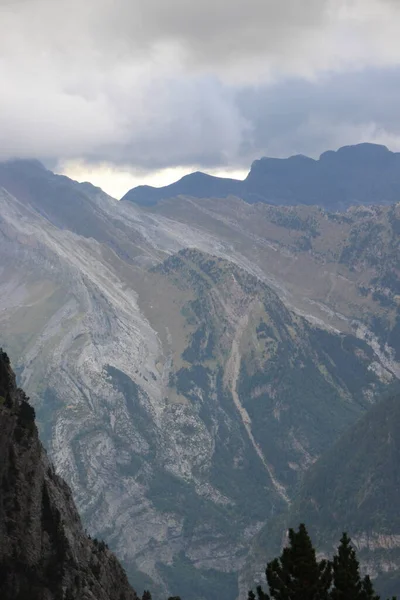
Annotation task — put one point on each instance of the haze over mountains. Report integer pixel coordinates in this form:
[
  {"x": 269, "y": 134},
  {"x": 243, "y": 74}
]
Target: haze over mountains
[
  {"x": 191, "y": 359},
  {"x": 363, "y": 174}
]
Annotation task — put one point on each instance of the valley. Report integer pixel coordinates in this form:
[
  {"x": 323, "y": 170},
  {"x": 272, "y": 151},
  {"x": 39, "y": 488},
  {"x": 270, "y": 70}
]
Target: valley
[{"x": 190, "y": 361}]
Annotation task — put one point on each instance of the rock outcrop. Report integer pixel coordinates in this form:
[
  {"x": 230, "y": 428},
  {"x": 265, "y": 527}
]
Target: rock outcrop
[{"x": 44, "y": 552}]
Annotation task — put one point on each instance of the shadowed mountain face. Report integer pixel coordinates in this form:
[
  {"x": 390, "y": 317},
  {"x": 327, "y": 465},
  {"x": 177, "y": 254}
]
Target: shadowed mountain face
[
  {"x": 196, "y": 185},
  {"x": 353, "y": 487},
  {"x": 44, "y": 552},
  {"x": 188, "y": 363},
  {"x": 362, "y": 174}
]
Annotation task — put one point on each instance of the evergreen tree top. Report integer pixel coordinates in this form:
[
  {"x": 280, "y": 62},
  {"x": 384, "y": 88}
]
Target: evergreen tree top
[{"x": 298, "y": 575}]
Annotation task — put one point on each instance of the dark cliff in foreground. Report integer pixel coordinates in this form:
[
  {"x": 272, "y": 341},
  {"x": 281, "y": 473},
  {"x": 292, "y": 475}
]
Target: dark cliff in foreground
[{"x": 44, "y": 551}]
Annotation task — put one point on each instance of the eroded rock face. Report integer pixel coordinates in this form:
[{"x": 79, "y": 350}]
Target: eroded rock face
[{"x": 44, "y": 551}]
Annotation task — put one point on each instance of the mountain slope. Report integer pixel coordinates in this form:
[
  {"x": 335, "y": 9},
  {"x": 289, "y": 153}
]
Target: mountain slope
[
  {"x": 198, "y": 185},
  {"x": 168, "y": 380},
  {"x": 362, "y": 174},
  {"x": 341, "y": 269},
  {"x": 44, "y": 552},
  {"x": 356, "y": 484},
  {"x": 269, "y": 356},
  {"x": 254, "y": 395},
  {"x": 352, "y": 487}
]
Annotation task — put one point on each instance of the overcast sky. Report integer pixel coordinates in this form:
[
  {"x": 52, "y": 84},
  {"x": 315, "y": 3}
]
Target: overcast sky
[{"x": 122, "y": 92}]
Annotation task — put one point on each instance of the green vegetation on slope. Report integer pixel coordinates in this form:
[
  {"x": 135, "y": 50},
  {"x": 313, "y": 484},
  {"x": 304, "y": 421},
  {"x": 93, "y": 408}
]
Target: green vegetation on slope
[
  {"x": 354, "y": 486},
  {"x": 297, "y": 574}
]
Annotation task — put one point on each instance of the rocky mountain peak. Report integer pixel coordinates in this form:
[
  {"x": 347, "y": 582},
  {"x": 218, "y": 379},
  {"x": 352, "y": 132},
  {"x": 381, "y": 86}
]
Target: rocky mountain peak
[{"x": 363, "y": 173}]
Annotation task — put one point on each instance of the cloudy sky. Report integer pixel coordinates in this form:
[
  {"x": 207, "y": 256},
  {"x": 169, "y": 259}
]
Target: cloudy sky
[{"x": 122, "y": 92}]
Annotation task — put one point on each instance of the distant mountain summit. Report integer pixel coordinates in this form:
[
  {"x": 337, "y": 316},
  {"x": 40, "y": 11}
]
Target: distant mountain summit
[
  {"x": 360, "y": 174},
  {"x": 197, "y": 185}
]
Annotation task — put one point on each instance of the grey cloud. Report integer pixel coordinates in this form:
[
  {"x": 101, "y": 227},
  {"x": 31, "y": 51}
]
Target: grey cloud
[
  {"x": 212, "y": 30},
  {"x": 310, "y": 117},
  {"x": 153, "y": 84},
  {"x": 297, "y": 34},
  {"x": 202, "y": 122},
  {"x": 214, "y": 125},
  {"x": 207, "y": 30}
]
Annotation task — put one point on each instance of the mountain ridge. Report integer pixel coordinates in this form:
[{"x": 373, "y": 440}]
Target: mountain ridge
[
  {"x": 360, "y": 174},
  {"x": 154, "y": 350}
]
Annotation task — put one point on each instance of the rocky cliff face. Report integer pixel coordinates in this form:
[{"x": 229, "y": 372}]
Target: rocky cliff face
[{"x": 44, "y": 551}]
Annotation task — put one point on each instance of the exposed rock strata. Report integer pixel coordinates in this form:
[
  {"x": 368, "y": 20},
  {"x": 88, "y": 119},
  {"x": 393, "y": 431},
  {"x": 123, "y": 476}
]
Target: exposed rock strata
[{"x": 44, "y": 552}]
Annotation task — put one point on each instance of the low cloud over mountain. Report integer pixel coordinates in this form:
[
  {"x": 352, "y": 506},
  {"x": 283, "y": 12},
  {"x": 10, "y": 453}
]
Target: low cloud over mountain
[{"x": 135, "y": 85}]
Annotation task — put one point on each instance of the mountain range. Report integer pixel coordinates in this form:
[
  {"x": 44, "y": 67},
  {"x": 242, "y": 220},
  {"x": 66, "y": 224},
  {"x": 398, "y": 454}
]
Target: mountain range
[
  {"x": 362, "y": 174},
  {"x": 193, "y": 362}
]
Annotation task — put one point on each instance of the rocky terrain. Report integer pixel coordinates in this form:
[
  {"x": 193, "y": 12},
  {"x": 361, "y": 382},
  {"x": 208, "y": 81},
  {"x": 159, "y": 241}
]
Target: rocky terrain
[
  {"x": 340, "y": 270},
  {"x": 189, "y": 362},
  {"x": 44, "y": 553}
]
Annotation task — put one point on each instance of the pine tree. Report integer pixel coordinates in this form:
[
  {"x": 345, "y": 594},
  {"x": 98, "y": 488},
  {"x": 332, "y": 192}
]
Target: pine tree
[
  {"x": 146, "y": 595},
  {"x": 347, "y": 584},
  {"x": 297, "y": 575},
  {"x": 368, "y": 592},
  {"x": 261, "y": 595}
]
